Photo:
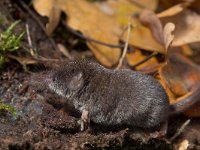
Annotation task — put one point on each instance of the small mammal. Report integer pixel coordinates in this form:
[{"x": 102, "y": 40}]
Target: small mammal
[{"x": 112, "y": 97}]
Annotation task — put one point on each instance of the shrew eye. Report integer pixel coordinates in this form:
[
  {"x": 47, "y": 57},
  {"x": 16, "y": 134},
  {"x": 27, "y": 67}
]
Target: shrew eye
[
  {"x": 54, "y": 78},
  {"x": 72, "y": 71}
]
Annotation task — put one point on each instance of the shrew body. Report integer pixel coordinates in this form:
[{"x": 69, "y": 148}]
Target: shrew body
[{"x": 109, "y": 97}]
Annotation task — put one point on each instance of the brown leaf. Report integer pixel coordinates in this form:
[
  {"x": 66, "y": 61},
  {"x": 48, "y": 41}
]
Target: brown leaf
[
  {"x": 167, "y": 33},
  {"x": 51, "y": 10},
  {"x": 149, "y": 19},
  {"x": 183, "y": 145},
  {"x": 187, "y": 27},
  {"x": 23, "y": 60},
  {"x": 194, "y": 111},
  {"x": 95, "y": 24},
  {"x": 102, "y": 21},
  {"x": 170, "y": 94},
  {"x": 172, "y": 10},
  {"x": 163, "y": 36},
  {"x": 180, "y": 75},
  {"x": 142, "y": 37},
  {"x": 150, "y": 4},
  {"x": 187, "y": 50},
  {"x": 137, "y": 56}
]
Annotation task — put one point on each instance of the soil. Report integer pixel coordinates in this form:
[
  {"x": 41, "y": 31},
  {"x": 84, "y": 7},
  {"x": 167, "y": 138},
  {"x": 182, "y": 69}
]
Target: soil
[{"x": 41, "y": 120}]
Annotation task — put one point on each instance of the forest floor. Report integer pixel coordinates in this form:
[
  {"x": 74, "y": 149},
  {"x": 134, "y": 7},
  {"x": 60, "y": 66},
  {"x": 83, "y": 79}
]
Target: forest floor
[{"x": 40, "y": 121}]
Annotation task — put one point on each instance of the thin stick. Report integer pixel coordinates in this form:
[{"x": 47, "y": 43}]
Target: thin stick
[
  {"x": 72, "y": 31},
  {"x": 38, "y": 22},
  {"x": 144, "y": 60},
  {"x": 125, "y": 47},
  {"x": 180, "y": 130},
  {"x": 91, "y": 39},
  {"x": 64, "y": 51},
  {"x": 29, "y": 40}
]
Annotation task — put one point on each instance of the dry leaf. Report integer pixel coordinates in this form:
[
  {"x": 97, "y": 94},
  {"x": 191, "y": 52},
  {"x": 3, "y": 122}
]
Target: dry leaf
[
  {"x": 187, "y": 27},
  {"x": 170, "y": 3},
  {"x": 150, "y": 20},
  {"x": 150, "y": 4},
  {"x": 93, "y": 23},
  {"x": 183, "y": 145},
  {"x": 187, "y": 50},
  {"x": 23, "y": 60},
  {"x": 137, "y": 56},
  {"x": 194, "y": 111},
  {"x": 163, "y": 36},
  {"x": 172, "y": 10},
  {"x": 142, "y": 37},
  {"x": 170, "y": 94},
  {"x": 180, "y": 75},
  {"x": 167, "y": 33},
  {"x": 104, "y": 22},
  {"x": 51, "y": 10}
]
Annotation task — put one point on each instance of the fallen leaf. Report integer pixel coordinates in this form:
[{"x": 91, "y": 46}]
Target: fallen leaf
[
  {"x": 183, "y": 145},
  {"x": 173, "y": 10},
  {"x": 167, "y": 34},
  {"x": 149, "y": 19},
  {"x": 194, "y": 111},
  {"x": 187, "y": 27},
  {"x": 187, "y": 50},
  {"x": 23, "y": 60},
  {"x": 106, "y": 30},
  {"x": 170, "y": 3},
  {"x": 150, "y": 4},
  {"x": 187, "y": 24},
  {"x": 141, "y": 37},
  {"x": 51, "y": 10},
  {"x": 137, "y": 56},
  {"x": 103, "y": 21},
  {"x": 180, "y": 75},
  {"x": 163, "y": 36},
  {"x": 170, "y": 94}
]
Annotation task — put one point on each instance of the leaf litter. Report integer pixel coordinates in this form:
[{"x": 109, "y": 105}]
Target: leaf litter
[{"x": 167, "y": 33}]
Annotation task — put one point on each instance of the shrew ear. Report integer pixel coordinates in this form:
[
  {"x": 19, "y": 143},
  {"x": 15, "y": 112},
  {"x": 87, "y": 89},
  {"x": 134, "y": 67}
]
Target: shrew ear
[{"x": 76, "y": 81}]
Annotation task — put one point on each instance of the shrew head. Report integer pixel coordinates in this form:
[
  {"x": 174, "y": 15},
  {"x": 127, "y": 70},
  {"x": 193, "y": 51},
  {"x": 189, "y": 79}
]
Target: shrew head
[{"x": 65, "y": 81}]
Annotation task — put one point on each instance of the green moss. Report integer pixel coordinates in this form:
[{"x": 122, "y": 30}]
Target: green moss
[
  {"x": 7, "y": 108},
  {"x": 9, "y": 42}
]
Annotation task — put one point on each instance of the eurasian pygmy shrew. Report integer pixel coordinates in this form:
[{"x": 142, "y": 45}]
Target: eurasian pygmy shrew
[{"x": 111, "y": 97}]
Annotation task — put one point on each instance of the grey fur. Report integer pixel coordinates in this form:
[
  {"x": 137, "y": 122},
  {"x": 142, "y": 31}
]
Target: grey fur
[{"x": 112, "y": 97}]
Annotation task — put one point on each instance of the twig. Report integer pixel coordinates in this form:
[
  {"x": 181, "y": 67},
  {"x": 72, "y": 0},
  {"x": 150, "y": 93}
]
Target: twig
[
  {"x": 29, "y": 40},
  {"x": 38, "y": 22},
  {"x": 144, "y": 60},
  {"x": 180, "y": 130},
  {"x": 91, "y": 39},
  {"x": 64, "y": 51},
  {"x": 125, "y": 47},
  {"x": 72, "y": 31}
]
